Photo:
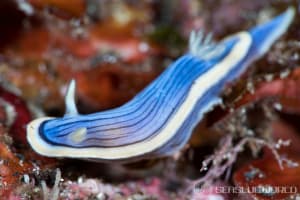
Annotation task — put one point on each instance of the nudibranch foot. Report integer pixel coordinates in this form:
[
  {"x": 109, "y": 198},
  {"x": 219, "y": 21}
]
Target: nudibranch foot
[{"x": 160, "y": 119}]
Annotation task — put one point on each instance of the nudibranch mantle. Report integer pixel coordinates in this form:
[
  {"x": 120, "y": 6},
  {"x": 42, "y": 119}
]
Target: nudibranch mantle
[{"x": 160, "y": 119}]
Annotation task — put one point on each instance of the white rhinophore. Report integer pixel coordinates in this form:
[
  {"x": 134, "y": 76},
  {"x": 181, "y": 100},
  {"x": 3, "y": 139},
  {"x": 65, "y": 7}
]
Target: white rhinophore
[{"x": 71, "y": 108}]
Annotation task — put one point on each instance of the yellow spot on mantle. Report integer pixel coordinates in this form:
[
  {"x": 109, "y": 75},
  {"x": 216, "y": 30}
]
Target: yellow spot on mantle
[{"x": 78, "y": 135}]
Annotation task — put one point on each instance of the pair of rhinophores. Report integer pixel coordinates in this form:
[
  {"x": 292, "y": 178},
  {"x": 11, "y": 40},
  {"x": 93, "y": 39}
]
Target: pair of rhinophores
[{"x": 160, "y": 119}]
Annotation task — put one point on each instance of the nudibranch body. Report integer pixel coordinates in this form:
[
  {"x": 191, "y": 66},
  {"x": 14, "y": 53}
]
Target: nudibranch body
[{"x": 160, "y": 119}]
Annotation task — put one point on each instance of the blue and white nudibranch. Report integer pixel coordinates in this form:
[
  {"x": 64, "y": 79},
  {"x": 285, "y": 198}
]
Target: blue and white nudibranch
[{"x": 160, "y": 119}]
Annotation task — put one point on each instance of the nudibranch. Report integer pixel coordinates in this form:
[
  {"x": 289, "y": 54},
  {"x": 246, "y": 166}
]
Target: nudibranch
[{"x": 160, "y": 119}]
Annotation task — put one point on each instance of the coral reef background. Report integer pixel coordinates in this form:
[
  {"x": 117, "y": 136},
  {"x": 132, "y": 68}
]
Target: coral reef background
[{"x": 114, "y": 49}]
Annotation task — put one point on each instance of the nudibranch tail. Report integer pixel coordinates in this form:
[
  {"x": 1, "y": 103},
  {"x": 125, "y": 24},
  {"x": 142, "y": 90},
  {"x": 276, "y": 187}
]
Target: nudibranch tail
[
  {"x": 160, "y": 119},
  {"x": 264, "y": 35}
]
